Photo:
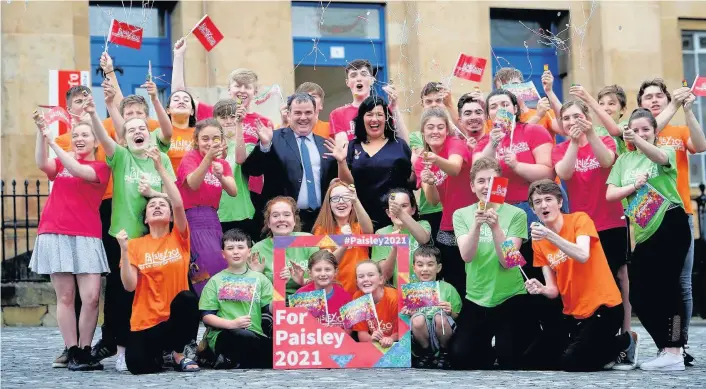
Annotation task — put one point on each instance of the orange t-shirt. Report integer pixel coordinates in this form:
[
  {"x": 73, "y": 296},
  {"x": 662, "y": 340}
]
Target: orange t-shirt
[
  {"x": 322, "y": 129},
  {"x": 678, "y": 137},
  {"x": 182, "y": 141},
  {"x": 386, "y": 309},
  {"x": 163, "y": 270},
  {"x": 353, "y": 256},
  {"x": 583, "y": 287},
  {"x": 64, "y": 141}
]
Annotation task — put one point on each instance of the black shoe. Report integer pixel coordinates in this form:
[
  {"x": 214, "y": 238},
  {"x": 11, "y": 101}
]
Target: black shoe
[
  {"x": 77, "y": 362},
  {"x": 442, "y": 362},
  {"x": 223, "y": 362},
  {"x": 88, "y": 358},
  {"x": 688, "y": 359},
  {"x": 103, "y": 350},
  {"x": 424, "y": 360},
  {"x": 62, "y": 361}
]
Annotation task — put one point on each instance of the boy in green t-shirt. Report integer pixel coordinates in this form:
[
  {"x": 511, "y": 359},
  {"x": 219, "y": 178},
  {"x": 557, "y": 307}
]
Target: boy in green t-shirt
[
  {"x": 432, "y": 327},
  {"x": 231, "y": 305}
]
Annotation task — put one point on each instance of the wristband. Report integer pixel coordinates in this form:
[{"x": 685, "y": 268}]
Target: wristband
[{"x": 106, "y": 73}]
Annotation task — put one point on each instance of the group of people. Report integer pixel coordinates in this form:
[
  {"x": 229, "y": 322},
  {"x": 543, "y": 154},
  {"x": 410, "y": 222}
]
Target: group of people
[{"x": 180, "y": 209}]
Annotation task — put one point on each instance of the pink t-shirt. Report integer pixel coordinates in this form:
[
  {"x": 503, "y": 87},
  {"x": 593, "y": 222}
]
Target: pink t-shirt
[
  {"x": 526, "y": 138},
  {"x": 209, "y": 193},
  {"x": 454, "y": 191},
  {"x": 72, "y": 206},
  {"x": 334, "y": 302},
  {"x": 205, "y": 111},
  {"x": 342, "y": 119},
  {"x": 587, "y": 186}
]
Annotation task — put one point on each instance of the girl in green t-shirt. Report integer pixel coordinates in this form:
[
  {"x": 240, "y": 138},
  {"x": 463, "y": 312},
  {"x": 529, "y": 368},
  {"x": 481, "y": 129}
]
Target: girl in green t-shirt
[
  {"x": 282, "y": 219},
  {"x": 647, "y": 177},
  {"x": 402, "y": 210}
]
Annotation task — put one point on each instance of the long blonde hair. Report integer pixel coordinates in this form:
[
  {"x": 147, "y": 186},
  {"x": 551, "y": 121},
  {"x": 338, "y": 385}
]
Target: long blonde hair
[
  {"x": 326, "y": 221},
  {"x": 434, "y": 112}
]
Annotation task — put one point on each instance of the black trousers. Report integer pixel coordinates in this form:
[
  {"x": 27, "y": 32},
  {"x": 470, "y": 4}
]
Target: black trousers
[
  {"x": 143, "y": 353},
  {"x": 308, "y": 218},
  {"x": 582, "y": 345},
  {"x": 454, "y": 269},
  {"x": 434, "y": 220},
  {"x": 655, "y": 279},
  {"x": 117, "y": 307},
  {"x": 512, "y": 325},
  {"x": 246, "y": 348}
]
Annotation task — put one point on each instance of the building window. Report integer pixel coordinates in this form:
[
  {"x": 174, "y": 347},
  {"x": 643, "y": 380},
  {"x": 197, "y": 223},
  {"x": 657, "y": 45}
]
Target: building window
[
  {"x": 694, "y": 57},
  {"x": 335, "y": 22},
  {"x": 150, "y": 19}
]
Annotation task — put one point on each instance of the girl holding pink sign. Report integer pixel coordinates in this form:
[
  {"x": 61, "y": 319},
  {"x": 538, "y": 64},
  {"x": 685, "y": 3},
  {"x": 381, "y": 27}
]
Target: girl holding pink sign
[{"x": 648, "y": 178}]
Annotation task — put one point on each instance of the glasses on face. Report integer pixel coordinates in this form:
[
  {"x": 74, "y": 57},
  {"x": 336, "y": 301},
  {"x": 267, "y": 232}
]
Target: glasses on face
[{"x": 339, "y": 199}]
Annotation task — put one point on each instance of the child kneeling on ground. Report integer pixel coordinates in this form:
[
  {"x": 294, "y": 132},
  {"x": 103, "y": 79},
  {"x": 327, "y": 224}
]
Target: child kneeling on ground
[
  {"x": 232, "y": 312},
  {"x": 432, "y": 327}
]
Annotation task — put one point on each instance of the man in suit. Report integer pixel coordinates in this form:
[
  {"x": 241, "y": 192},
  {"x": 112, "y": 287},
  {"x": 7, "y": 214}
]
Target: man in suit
[{"x": 293, "y": 160}]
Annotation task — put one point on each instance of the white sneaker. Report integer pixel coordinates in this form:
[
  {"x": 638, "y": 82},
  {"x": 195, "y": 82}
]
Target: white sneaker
[
  {"x": 666, "y": 361},
  {"x": 120, "y": 364}
]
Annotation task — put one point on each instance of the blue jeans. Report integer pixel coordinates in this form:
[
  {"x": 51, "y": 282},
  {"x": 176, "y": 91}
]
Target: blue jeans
[{"x": 686, "y": 281}]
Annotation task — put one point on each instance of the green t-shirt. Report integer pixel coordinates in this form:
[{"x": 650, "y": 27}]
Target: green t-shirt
[
  {"x": 128, "y": 204},
  {"x": 488, "y": 283},
  {"x": 156, "y": 135},
  {"x": 379, "y": 253},
  {"x": 415, "y": 142},
  {"x": 662, "y": 178},
  {"x": 213, "y": 299},
  {"x": 239, "y": 207},
  {"x": 619, "y": 142},
  {"x": 300, "y": 255}
]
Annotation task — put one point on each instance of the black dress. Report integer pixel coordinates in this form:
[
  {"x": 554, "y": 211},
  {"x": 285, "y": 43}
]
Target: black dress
[{"x": 390, "y": 167}]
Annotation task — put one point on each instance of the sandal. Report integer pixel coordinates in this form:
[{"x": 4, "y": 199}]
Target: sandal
[{"x": 183, "y": 366}]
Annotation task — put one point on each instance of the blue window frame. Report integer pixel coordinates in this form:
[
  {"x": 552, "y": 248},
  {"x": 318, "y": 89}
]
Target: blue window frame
[
  {"x": 356, "y": 29},
  {"x": 156, "y": 47}
]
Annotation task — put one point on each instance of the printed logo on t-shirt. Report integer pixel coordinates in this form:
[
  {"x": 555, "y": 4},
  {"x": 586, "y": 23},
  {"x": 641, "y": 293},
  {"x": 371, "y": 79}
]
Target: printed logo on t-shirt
[
  {"x": 586, "y": 164},
  {"x": 180, "y": 144},
  {"x": 64, "y": 173},
  {"x": 134, "y": 176},
  {"x": 212, "y": 180},
  {"x": 486, "y": 234},
  {"x": 516, "y": 148},
  {"x": 676, "y": 143},
  {"x": 630, "y": 175},
  {"x": 160, "y": 259},
  {"x": 440, "y": 177},
  {"x": 556, "y": 259},
  {"x": 249, "y": 129}
]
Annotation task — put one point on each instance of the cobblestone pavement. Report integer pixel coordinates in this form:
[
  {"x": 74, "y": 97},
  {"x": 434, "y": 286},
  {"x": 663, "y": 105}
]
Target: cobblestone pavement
[{"x": 27, "y": 354}]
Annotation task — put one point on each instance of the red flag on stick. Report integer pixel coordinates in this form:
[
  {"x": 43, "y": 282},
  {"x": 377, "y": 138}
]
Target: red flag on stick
[
  {"x": 699, "y": 87},
  {"x": 207, "y": 32},
  {"x": 55, "y": 114},
  {"x": 470, "y": 68},
  {"x": 498, "y": 190},
  {"x": 124, "y": 34}
]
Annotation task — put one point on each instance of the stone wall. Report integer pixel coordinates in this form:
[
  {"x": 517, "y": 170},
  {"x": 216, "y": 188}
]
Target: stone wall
[{"x": 33, "y": 304}]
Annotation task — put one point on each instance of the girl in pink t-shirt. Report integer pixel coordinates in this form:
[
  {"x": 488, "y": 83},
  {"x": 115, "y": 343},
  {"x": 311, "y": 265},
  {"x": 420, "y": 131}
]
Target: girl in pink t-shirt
[
  {"x": 443, "y": 172},
  {"x": 202, "y": 177},
  {"x": 584, "y": 162},
  {"x": 68, "y": 245},
  {"x": 322, "y": 271}
]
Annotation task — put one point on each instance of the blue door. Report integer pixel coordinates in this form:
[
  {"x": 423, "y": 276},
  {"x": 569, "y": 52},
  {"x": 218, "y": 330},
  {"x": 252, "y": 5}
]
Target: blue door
[
  {"x": 156, "y": 47},
  {"x": 531, "y": 68},
  {"x": 337, "y": 33}
]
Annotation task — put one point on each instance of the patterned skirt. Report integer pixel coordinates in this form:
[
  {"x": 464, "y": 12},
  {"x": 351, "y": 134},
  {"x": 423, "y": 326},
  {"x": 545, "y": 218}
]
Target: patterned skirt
[{"x": 56, "y": 253}]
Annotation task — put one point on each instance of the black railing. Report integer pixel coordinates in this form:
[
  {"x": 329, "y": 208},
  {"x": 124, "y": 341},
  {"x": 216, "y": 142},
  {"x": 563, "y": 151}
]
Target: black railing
[{"x": 20, "y": 214}]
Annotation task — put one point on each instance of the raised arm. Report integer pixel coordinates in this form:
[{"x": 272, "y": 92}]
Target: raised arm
[
  {"x": 610, "y": 125},
  {"x": 604, "y": 155},
  {"x": 339, "y": 152},
  {"x": 76, "y": 169},
  {"x": 415, "y": 229},
  {"x": 165, "y": 122},
  {"x": 468, "y": 243},
  {"x": 178, "y": 82},
  {"x": 654, "y": 153},
  {"x": 451, "y": 166},
  {"x": 697, "y": 139},
  {"x": 106, "y": 63},
  {"x": 566, "y": 166},
  {"x": 128, "y": 271},
  {"x": 241, "y": 154},
  {"x": 45, "y": 164},
  {"x": 101, "y": 134},
  {"x": 579, "y": 250}
]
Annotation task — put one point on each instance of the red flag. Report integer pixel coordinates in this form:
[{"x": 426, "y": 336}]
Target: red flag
[
  {"x": 470, "y": 68},
  {"x": 498, "y": 190},
  {"x": 699, "y": 87},
  {"x": 56, "y": 114},
  {"x": 124, "y": 34},
  {"x": 208, "y": 33}
]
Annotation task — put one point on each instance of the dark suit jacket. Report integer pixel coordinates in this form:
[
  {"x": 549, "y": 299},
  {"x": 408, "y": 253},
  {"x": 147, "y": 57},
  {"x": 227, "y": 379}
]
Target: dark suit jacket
[{"x": 282, "y": 165}]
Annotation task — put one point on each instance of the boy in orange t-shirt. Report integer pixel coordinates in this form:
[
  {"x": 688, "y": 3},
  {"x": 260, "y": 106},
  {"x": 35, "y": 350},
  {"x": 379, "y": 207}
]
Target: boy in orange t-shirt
[
  {"x": 567, "y": 248},
  {"x": 369, "y": 279}
]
